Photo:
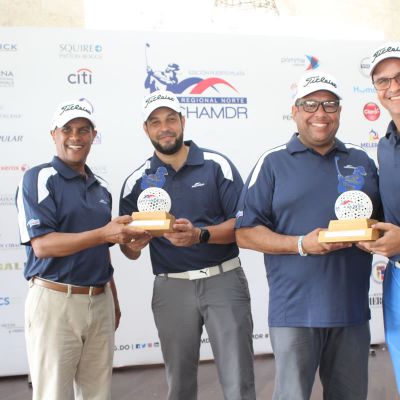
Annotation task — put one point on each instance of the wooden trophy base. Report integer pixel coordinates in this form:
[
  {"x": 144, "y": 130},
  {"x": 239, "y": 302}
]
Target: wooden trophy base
[
  {"x": 349, "y": 230},
  {"x": 155, "y": 222}
]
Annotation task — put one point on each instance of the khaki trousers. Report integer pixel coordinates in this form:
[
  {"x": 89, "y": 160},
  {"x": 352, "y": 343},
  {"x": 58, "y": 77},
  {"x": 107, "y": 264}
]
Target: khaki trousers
[{"x": 70, "y": 344}]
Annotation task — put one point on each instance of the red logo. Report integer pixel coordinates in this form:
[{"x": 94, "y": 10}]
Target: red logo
[{"x": 371, "y": 111}]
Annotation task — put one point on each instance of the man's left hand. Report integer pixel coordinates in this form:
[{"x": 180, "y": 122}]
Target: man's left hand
[{"x": 184, "y": 235}]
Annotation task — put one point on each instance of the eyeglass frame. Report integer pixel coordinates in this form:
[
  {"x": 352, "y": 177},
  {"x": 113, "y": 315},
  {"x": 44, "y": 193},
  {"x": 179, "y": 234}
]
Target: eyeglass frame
[
  {"x": 390, "y": 81},
  {"x": 300, "y": 102}
]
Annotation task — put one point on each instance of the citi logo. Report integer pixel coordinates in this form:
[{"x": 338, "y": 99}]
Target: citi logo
[{"x": 82, "y": 76}]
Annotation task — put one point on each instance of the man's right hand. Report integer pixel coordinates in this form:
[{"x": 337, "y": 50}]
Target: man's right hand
[
  {"x": 116, "y": 231},
  {"x": 311, "y": 245}
]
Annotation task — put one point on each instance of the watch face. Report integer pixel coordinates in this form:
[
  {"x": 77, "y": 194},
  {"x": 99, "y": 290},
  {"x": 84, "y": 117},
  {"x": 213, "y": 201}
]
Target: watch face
[{"x": 204, "y": 235}]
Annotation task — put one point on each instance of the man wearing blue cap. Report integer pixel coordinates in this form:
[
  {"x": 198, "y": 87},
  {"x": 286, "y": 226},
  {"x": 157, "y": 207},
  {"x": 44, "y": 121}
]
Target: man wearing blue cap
[
  {"x": 71, "y": 310},
  {"x": 385, "y": 75},
  {"x": 318, "y": 292}
]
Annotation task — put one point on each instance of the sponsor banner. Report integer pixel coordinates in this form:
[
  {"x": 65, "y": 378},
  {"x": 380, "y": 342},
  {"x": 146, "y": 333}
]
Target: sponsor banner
[{"x": 236, "y": 92}]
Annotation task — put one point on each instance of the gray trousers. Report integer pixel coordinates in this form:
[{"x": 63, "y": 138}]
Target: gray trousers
[
  {"x": 222, "y": 304},
  {"x": 340, "y": 353}
]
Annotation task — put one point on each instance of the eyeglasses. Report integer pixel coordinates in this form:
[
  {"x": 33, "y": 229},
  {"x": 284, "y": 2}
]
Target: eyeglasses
[
  {"x": 312, "y": 106},
  {"x": 384, "y": 83}
]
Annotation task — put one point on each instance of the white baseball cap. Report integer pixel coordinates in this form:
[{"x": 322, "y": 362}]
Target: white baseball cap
[
  {"x": 384, "y": 51},
  {"x": 79, "y": 108},
  {"x": 314, "y": 81},
  {"x": 157, "y": 99}
]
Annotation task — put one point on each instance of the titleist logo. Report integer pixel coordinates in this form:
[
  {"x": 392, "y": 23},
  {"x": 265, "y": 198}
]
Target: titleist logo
[
  {"x": 158, "y": 97},
  {"x": 319, "y": 79},
  {"x": 384, "y": 50},
  {"x": 70, "y": 107}
]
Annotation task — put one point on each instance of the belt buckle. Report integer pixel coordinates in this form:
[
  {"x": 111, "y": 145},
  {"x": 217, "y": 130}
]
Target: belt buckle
[{"x": 199, "y": 274}]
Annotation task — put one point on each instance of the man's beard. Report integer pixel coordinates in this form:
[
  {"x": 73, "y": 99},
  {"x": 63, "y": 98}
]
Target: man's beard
[{"x": 171, "y": 148}]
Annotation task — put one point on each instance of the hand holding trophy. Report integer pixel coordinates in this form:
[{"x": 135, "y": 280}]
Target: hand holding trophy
[
  {"x": 353, "y": 209},
  {"x": 153, "y": 216}
]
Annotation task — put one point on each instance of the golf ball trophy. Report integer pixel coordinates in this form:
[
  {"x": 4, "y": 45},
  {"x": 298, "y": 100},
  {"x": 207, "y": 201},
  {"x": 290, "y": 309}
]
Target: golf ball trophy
[
  {"x": 153, "y": 216},
  {"x": 353, "y": 210}
]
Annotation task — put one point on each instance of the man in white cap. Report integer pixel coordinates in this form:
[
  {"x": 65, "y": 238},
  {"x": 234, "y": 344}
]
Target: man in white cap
[
  {"x": 72, "y": 310},
  {"x": 318, "y": 292},
  {"x": 385, "y": 75},
  {"x": 198, "y": 278}
]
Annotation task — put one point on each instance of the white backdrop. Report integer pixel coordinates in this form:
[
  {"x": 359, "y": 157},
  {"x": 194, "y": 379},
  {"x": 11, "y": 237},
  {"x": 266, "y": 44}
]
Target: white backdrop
[{"x": 250, "y": 113}]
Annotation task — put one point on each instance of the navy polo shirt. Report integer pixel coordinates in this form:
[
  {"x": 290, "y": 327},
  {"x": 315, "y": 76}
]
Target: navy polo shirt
[
  {"x": 205, "y": 191},
  {"x": 292, "y": 190},
  {"x": 53, "y": 197},
  {"x": 389, "y": 176}
]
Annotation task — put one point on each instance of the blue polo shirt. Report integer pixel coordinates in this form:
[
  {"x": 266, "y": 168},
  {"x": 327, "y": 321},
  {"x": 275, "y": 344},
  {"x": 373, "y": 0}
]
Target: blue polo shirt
[
  {"x": 205, "y": 191},
  {"x": 389, "y": 176},
  {"x": 53, "y": 197},
  {"x": 292, "y": 190}
]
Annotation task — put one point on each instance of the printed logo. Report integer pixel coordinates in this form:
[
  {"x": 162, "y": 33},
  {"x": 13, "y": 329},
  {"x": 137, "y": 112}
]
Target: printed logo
[
  {"x": 198, "y": 184},
  {"x": 8, "y": 47},
  {"x": 8, "y": 266},
  {"x": 355, "y": 181},
  {"x": 12, "y": 328},
  {"x": 6, "y": 79},
  {"x": 80, "y": 51},
  {"x": 102, "y": 201},
  {"x": 11, "y": 138},
  {"x": 9, "y": 246},
  {"x": 7, "y": 200},
  {"x": 375, "y": 300},
  {"x": 364, "y": 90},
  {"x": 364, "y": 67},
  {"x": 141, "y": 346},
  {"x": 82, "y": 76},
  {"x": 319, "y": 79},
  {"x": 212, "y": 96},
  {"x": 384, "y": 50},
  {"x": 308, "y": 62},
  {"x": 378, "y": 271},
  {"x": 33, "y": 222},
  {"x": 99, "y": 170},
  {"x": 5, "y": 301},
  {"x": 258, "y": 336},
  {"x": 373, "y": 140},
  {"x": 14, "y": 168},
  {"x": 371, "y": 111},
  {"x": 154, "y": 180}
]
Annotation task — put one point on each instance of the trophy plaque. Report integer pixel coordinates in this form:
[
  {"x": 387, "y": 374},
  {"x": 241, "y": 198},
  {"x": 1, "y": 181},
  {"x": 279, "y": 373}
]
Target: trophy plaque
[
  {"x": 353, "y": 210},
  {"x": 153, "y": 216}
]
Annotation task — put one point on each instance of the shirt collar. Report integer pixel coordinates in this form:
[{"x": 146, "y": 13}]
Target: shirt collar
[
  {"x": 195, "y": 156},
  {"x": 296, "y": 146},
  {"x": 391, "y": 132},
  {"x": 69, "y": 173}
]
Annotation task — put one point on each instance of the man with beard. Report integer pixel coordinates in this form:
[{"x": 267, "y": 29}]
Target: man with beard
[
  {"x": 198, "y": 277},
  {"x": 385, "y": 75}
]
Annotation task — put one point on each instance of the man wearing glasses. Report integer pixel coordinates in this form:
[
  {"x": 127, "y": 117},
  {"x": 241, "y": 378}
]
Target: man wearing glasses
[
  {"x": 318, "y": 292},
  {"x": 385, "y": 75}
]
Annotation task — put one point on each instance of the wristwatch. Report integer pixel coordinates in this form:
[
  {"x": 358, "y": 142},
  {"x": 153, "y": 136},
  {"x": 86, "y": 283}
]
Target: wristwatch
[{"x": 204, "y": 236}]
